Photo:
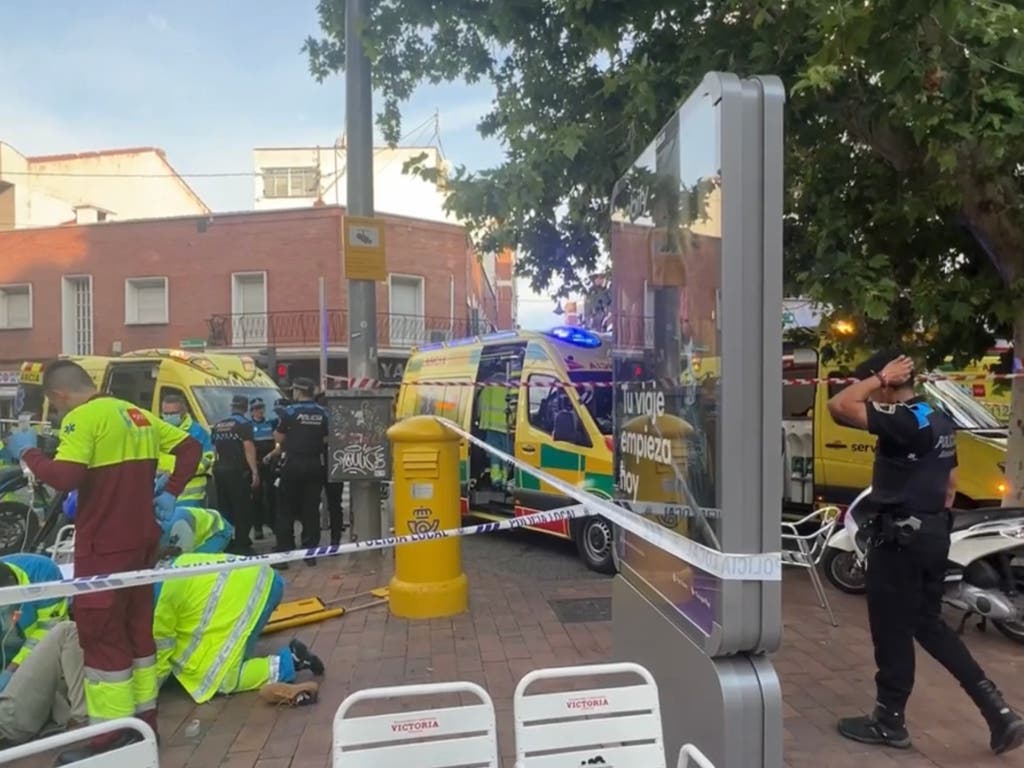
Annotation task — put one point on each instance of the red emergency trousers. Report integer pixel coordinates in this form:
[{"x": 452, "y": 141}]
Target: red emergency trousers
[{"x": 115, "y": 530}]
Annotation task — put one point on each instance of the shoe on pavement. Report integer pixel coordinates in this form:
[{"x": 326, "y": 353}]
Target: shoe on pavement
[
  {"x": 876, "y": 728},
  {"x": 290, "y": 694},
  {"x": 77, "y": 754},
  {"x": 1005, "y": 725},
  {"x": 304, "y": 659}
]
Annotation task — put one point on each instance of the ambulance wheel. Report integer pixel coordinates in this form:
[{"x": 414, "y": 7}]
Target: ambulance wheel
[
  {"x": 595, "y": 542},
  {"x": 19, "y": 526},
  {"x": 843, "y": 571}
]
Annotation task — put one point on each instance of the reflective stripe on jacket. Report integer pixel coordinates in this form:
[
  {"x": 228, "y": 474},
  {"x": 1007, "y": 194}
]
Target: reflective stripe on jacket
[{"x": 201, "y": 624}]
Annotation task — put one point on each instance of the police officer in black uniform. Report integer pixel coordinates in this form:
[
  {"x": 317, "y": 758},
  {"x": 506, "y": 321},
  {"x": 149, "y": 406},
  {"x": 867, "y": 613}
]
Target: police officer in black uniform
[
  {"x": 913, "y": 485},
  {"x": 264, "y": 497},
  {"x": 302, "y": 433},
  {"x": 235, "y": 472}
]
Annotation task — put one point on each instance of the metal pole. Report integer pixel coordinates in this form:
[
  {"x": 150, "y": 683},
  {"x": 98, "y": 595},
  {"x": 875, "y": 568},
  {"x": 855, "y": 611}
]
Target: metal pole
[
  {"x": 323, "y": 333},
  {"x": 362, "y": 294}
]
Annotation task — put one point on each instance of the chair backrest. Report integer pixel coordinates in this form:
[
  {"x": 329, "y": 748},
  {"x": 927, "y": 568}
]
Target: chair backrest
[
  {"x": 440, "y": 737},
  {"x": 63, "y": 549},
  {"x": 141, "y": 754},
  {"x": 691, "y": 757},
  {"x": 619, "y": 725}
]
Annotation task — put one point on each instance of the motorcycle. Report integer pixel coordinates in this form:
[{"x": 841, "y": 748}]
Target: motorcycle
[
  {"x": 31, "y": 513},
  {"x": 985, "y": 573}
]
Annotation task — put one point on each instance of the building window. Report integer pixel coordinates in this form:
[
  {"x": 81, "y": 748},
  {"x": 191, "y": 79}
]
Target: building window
[
  {"x": 291, "y": 182},
  {"x": 249, "y": 309},
  {"x": 145, "y": 301},
  {"x": 15, "y": 306},
  {"x": 405, "y": 302},
  {"x": 76, "y": 315}
]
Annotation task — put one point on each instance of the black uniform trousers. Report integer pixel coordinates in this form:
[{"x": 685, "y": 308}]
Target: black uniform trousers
[
  {"x": 335, "y": 494},
  {"x": 234, "y": 495},
  {"x": 265, "y": 498},
  {"x": 905, "y": 584},
  {"x": 302, "y": 482}
]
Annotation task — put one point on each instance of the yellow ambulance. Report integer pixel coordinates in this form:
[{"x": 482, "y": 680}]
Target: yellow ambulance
[
  {"x": 146, "y": 376},
  {"x": 544, "y": 397},
  {"x": 826, "y": 462}
]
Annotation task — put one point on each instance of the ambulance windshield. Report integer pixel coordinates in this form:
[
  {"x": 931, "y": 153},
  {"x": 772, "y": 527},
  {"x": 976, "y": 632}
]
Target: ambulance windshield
[{"x": 595, "y": 393}]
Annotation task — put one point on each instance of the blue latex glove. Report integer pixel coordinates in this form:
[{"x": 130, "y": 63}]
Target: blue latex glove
[
  {"x": 160, "y": 483},
  {"x": 5, "y": 678},
  {"x": 164, "y": 504},
  {"x": 21, "y": 441}
]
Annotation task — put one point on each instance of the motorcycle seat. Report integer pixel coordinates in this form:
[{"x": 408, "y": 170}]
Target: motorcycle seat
[{"x": 964, "y": 519}]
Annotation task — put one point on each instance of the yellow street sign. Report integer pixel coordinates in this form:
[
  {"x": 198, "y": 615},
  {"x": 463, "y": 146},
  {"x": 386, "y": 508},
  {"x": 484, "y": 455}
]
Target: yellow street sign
[{"x": 364, "y": 248}]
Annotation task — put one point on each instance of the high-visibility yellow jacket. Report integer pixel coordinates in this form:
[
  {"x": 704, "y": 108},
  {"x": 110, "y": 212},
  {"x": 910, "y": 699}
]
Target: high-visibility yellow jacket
[
  {"x": 201, "y": 624},
  {"x": 195, "y": 490},
  {"x": 493, "y": 402},
  {"x": 38, "y": 616}
]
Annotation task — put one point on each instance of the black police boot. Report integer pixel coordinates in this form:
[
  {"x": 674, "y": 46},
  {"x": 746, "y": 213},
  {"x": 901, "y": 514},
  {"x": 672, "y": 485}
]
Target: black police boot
[
  {"x": 1006, "y": 725},
  {"x": 123, "y": 739},
  {"x": 304, "y": 659},
  {"x": 881, "y": 727}
]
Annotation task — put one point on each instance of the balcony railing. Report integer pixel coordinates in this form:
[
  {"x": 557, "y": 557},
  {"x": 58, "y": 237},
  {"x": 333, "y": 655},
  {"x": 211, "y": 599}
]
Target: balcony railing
[{"x": 302, "y": 329}]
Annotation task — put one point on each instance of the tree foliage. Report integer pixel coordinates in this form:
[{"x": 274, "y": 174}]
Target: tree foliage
[{"x": 905, "y": 136}]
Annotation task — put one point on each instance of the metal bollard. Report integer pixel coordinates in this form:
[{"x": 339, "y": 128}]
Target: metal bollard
[{"x": 428, "y": 581}]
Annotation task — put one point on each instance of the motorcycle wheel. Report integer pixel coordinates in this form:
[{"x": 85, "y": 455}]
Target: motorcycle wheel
[
  {"x": 1014, "y": 629},
  {"x": 843, "y": 571},
  {"x": 19, "y": 526}
]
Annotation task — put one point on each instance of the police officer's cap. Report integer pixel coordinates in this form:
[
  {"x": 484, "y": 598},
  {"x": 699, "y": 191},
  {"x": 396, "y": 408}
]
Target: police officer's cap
[
  {"x": 240, "y": 402},
  {"x": 875, "y": 363},
  {"x": 257, "y": 402},
  {"x": 303, "y": 384}
]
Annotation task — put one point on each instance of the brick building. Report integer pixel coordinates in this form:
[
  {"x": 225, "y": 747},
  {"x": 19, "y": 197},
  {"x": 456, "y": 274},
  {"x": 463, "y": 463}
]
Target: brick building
[{"x": 240, "y": 281}]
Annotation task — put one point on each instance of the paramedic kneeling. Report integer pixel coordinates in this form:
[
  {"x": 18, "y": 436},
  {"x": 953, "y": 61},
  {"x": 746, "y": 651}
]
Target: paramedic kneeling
[{"x": 913, "y": 485}]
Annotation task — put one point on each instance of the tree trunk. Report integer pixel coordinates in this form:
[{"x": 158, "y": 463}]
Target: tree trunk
[{"x": 1015, "y": 444}]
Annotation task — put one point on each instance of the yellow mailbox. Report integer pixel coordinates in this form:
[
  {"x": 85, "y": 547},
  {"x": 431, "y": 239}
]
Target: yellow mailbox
[{"x": 428, "y": 581}]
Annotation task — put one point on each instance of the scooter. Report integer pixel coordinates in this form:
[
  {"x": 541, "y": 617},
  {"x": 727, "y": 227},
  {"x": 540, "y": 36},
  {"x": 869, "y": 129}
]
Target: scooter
[{"x": 985, "y": 574}]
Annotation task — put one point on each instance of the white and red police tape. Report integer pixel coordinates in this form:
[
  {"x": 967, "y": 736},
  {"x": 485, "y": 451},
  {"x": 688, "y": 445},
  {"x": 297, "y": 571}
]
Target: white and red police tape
[
  {"x": 727, "y": 566},
  {"x": 344, "y": 382},
  {"x": 766, "y": 566},
  {"x": 101, "y": 583}
]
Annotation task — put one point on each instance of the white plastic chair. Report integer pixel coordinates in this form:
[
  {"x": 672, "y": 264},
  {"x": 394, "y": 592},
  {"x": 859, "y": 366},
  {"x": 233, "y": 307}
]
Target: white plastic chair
[
  {"x": 689, "y": 755},
  {"x": 810, "y": 548},
  {"x": 425, "y": 738},
  {"x": 63, "y": 549},
  {"x": 619, "y": 724},
  {"x": 141, "y": 754}
]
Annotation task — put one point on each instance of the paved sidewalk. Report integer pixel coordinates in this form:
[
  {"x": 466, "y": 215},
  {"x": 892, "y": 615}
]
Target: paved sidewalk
[{"x": 826, "y": 672}]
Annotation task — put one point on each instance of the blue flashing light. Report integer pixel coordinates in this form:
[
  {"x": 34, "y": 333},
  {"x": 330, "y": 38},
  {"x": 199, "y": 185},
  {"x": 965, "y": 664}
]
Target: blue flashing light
[
  {"x": 462, "y": 342},
  {"x": 578, "y": 336},
  {"x": 429, "y": 347}
]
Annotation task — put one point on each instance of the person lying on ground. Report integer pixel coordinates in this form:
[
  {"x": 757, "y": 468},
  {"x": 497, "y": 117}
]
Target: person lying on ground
[{"x": 47, "y": 691}]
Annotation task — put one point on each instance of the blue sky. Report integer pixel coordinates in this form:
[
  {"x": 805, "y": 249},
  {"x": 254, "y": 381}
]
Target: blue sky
[{"x": 206, "y": 81}]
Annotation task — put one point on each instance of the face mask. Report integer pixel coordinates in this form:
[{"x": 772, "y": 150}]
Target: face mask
[{"x": 174, "y": 419}]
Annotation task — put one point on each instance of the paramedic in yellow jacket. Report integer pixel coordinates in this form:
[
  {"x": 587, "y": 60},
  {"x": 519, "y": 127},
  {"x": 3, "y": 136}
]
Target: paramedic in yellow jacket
[
  {"x": 206, "y": 628},
  {"x": 494, "y": 424},
  {"x": 23, "y": 626},
  {"x": 174, "y": 410}
]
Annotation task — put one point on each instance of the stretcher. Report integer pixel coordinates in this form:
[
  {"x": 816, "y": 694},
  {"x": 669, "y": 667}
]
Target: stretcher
[{"x": 311, "y": 610}]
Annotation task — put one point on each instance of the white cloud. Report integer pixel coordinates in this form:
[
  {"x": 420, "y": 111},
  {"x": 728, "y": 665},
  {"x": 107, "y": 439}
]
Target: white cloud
[{"x": 157, "y": 21}]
